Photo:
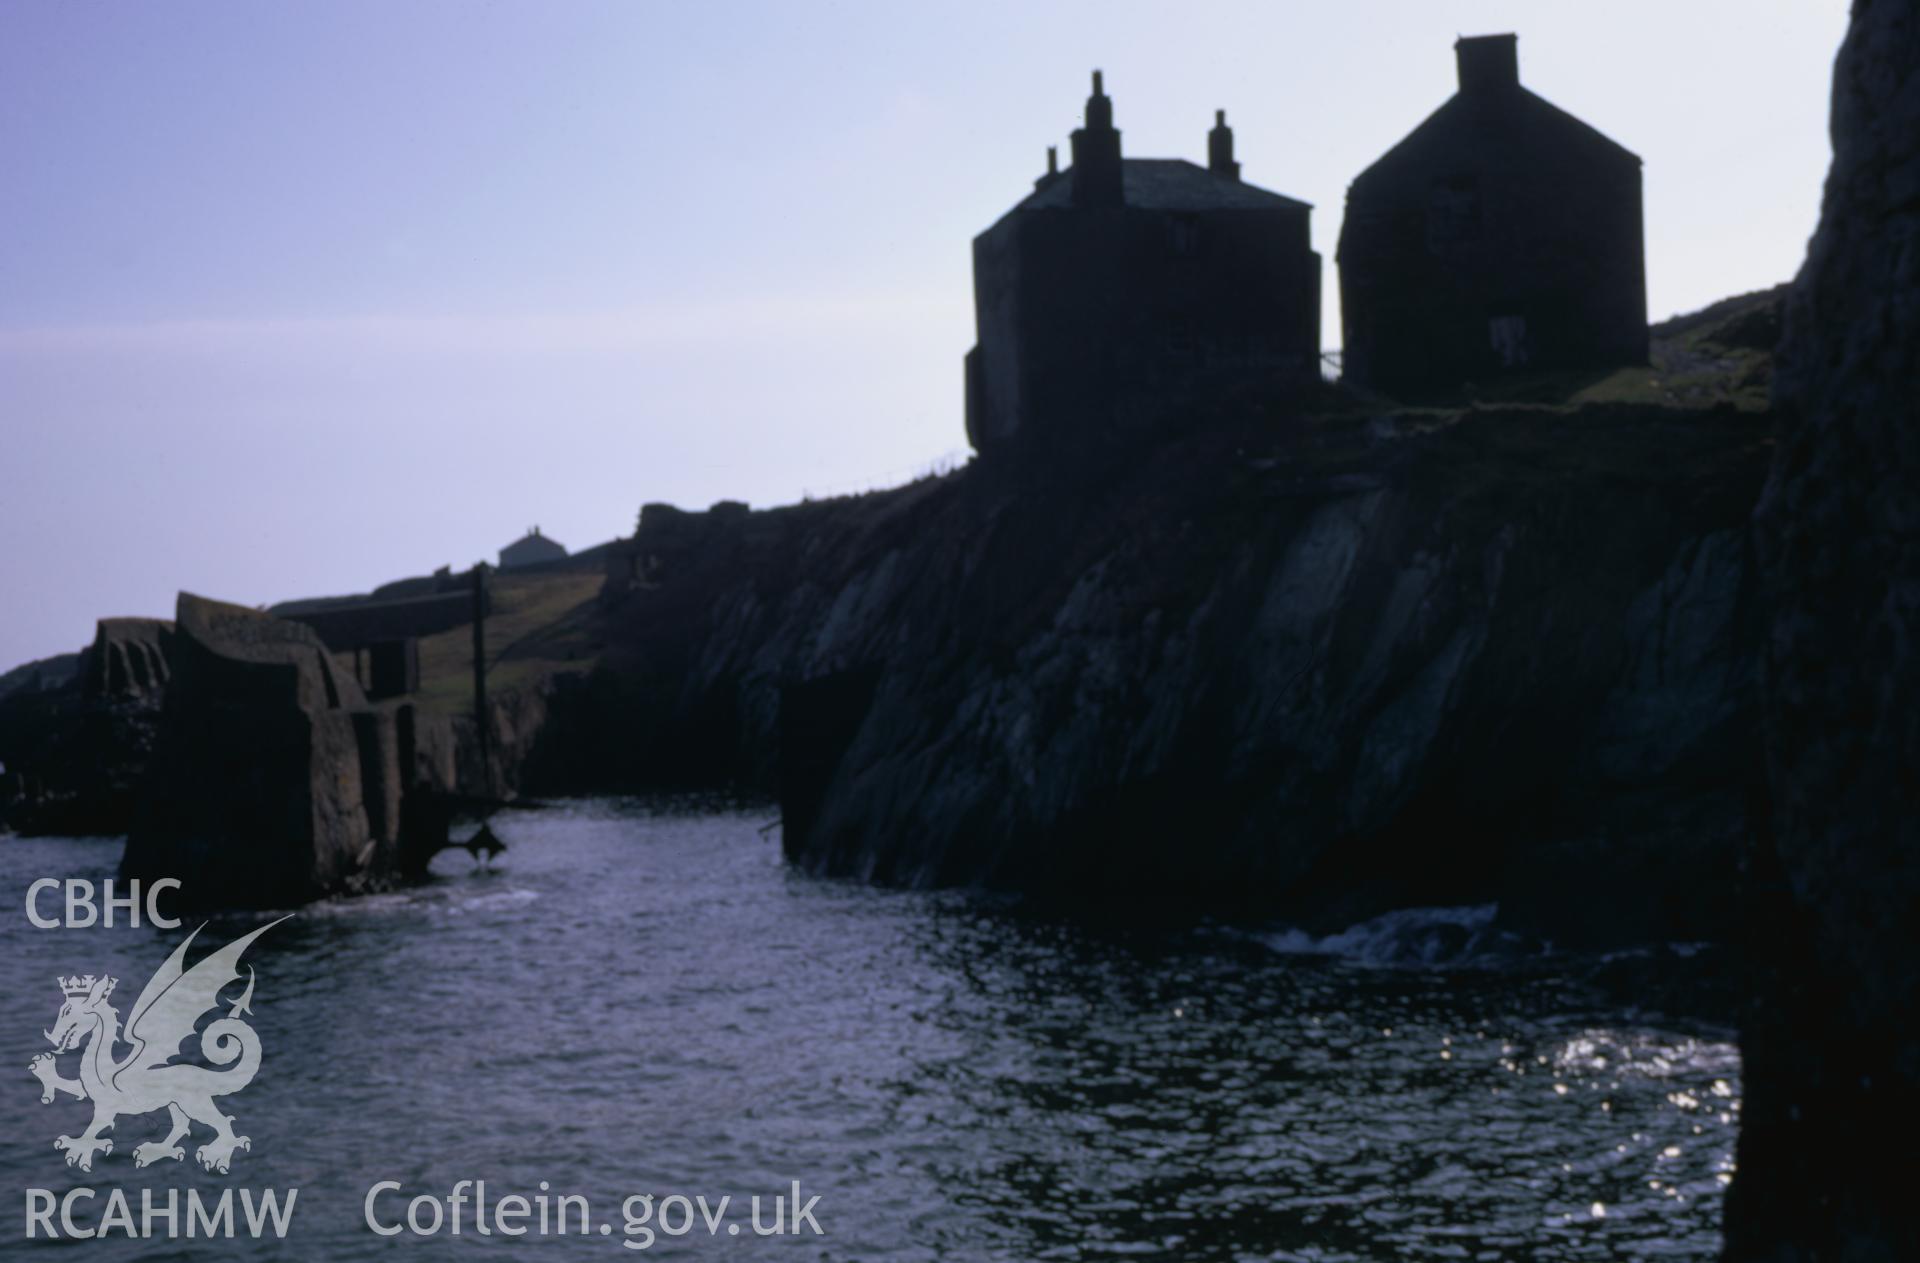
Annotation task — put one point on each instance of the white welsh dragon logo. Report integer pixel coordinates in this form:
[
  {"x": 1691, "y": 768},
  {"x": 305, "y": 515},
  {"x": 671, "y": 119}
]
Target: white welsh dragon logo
[{"x": 142, "y": 1081}]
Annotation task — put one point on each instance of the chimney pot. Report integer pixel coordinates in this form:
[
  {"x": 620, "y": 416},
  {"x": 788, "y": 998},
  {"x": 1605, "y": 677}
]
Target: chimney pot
[{"x": 1220, "y": 148}]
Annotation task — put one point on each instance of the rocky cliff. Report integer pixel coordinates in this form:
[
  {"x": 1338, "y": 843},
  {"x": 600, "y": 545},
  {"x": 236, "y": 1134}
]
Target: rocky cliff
[
  {"x": 75, "y": 739},
  {"x": 1326, "y": 665},
  {"x": 1832, "y": 1041}
]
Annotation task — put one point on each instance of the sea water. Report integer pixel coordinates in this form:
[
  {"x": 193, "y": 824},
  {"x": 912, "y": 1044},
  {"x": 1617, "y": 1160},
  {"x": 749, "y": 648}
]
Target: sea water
[{"x": 640, "y": 1002}]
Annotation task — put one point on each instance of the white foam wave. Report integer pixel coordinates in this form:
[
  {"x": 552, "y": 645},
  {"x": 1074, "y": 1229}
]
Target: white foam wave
[{"x": 1405, "y": 936}]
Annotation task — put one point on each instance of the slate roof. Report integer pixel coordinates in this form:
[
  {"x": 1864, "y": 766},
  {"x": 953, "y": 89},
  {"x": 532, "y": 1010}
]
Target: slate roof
[
  {"x": 1168, "y": 184},
  {"x": 1520, "y": 117}
]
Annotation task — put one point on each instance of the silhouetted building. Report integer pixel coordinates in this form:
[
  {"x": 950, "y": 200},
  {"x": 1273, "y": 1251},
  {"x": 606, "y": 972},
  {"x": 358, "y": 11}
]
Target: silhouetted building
[
  {"x": 531, "y": 549},
  {"x": 1503, "y": 233},
  {"x": 1123, "y": 289}
]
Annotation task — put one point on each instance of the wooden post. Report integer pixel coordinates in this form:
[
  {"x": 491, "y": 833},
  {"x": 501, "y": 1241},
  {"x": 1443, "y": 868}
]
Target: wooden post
[{"x": 482, "y": 719}]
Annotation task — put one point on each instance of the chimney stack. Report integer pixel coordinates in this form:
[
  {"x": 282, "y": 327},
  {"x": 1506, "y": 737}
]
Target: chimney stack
[
  {"x": 1096, "y": 154},
  {"x": 1220, "y": 148},
  {"x": 1053, "y": 168},
  {"x": 1488, "y": 63}
]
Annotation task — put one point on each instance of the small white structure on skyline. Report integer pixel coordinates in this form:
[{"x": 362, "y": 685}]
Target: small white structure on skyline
[{"x": 531, "y": 549}]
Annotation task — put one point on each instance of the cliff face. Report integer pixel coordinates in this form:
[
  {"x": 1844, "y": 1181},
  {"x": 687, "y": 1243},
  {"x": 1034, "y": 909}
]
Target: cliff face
[
  {"x": 1832, "y": 1044},
  {"x": 1331, "y": 666}
]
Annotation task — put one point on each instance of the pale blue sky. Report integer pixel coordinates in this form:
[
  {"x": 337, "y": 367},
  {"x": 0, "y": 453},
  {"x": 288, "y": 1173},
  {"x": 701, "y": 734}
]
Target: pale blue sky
[{"x": 298, "y": 298}]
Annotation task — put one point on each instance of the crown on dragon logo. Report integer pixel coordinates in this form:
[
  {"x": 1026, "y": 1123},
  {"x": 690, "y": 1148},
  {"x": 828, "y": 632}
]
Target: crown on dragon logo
[{"x": 78, "y": 986}]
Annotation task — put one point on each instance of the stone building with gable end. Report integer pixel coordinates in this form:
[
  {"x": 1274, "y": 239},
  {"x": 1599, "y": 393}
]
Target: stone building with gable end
[{"x": 1503, "y": 234}]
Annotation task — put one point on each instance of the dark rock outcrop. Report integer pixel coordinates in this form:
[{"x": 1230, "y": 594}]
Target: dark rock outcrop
[
  {"x": 128, "y": 660},
  {"x": 76, "y": 742},
  {"x": 42, "y": 675},
  {"x": 1832, "y": 1041},
  {"x": 517, "y": 723},
  {"x": 1364, "y": 678},
  {"x": 1332, "y": 665},
  {"x": 274, "y": 781}
]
